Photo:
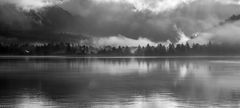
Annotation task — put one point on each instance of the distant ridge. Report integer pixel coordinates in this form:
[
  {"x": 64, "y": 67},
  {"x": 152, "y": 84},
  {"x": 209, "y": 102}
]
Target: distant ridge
[{"x": 47, "y": 24}]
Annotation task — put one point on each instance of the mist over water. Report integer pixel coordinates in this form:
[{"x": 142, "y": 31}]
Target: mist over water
[{"x": 119, "y": 82}]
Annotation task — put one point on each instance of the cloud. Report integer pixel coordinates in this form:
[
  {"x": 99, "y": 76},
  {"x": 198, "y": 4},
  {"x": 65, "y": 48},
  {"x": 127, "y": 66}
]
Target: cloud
[
  {"x": 183, "y": 39},
  {"x": 32, "y": 4},
  {"x": 153, "y": 19},
  {"x": 155, "y": 6},
  {"x": 236, "y": 2},
  {"x": 124, "y": 41},
  {"x": 143, "y": 18},
  {"x": 226, "y": 34}
]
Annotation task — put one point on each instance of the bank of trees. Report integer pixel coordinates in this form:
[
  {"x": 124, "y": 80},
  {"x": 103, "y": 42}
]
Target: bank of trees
[
  {"x": 189, "y": 50},
  {"x": 84, "y": 50}
]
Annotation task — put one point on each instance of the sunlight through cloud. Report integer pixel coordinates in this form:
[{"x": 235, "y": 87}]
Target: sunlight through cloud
[
  {"x": 33, "y": 4},
  {"x": 155, "y": 6}
]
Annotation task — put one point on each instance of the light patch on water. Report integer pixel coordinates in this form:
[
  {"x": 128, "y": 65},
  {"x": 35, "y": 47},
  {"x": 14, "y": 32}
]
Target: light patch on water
[
  {"x": 121, "y": 68},
  {"x": 29, "y": 100},
  {"x": 225, "y": 61},
  {"x": 153, "y": 101},
  {"x": 183, "y": 71}
]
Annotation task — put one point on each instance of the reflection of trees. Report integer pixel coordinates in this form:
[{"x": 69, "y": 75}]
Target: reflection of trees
[{"x": 85, "y": 81}]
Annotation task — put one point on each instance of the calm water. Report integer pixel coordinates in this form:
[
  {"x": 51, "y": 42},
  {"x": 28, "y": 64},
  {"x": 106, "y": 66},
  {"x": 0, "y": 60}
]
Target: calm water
[{"x": 37, "y": 82}]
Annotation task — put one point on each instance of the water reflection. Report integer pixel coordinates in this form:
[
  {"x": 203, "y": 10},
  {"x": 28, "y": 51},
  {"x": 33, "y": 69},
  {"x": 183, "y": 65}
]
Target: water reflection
[{"x": 119, "y": 82}]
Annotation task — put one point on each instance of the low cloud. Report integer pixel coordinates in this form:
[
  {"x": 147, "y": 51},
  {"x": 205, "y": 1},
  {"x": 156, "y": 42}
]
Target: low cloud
[
  {"x": 121, "y": 40},
  {"x": 182, "y": 38},
  {"x": 225, "y": 34}
]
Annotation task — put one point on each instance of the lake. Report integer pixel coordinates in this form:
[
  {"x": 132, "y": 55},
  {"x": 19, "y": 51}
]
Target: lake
[{"x": 171, "y": 82}]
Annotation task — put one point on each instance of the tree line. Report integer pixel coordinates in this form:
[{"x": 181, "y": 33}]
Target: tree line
[{"x": 84, "y": 50}]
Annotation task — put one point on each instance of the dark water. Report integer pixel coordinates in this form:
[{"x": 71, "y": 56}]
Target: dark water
[{"x": 53, "y": 82}]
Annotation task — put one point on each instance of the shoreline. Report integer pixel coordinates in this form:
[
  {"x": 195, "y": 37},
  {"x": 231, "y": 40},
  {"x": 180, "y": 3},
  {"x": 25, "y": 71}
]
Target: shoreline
[{"x": 62, "y": 56}]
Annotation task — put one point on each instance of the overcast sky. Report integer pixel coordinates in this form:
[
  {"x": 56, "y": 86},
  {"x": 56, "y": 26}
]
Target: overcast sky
[{"x": 156, "y": 20}]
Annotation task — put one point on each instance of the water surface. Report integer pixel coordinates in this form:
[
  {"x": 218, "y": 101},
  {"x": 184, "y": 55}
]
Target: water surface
[{"x": 176, "y": 82}]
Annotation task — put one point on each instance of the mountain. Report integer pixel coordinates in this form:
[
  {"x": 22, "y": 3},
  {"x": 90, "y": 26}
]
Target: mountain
[
  {"x": 231, "y": 19},
  {"x": 48, "y": 24},
  {"x": 52, "y": 18}
]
